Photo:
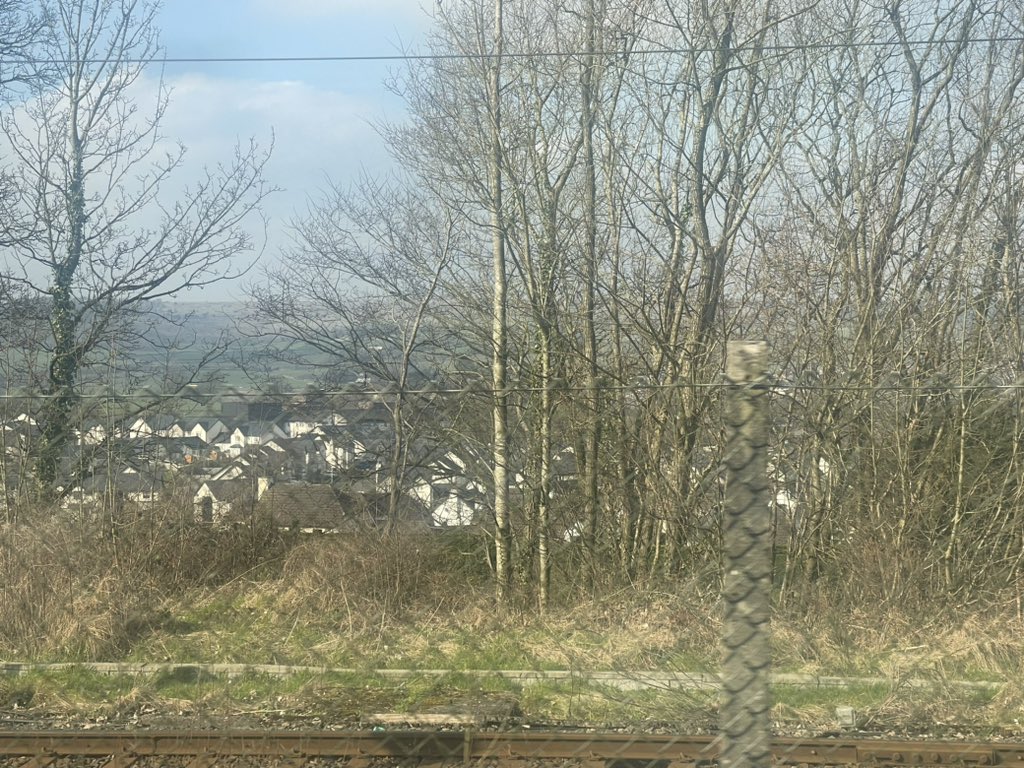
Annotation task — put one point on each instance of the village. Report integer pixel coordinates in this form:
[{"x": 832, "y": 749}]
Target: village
[
  {"x": 305, "y": 468},
  {"x": 308, "y": 468}
]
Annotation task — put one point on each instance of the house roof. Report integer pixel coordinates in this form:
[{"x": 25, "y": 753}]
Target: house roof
[
  {"x": 369, "y": 410},
  {"x": 315, "y": 417},
  {"x": 333, "y": 432},
  {"x": 125, "y": 482},
  {"x": 179, "y": 443},
  {"x": 319, "y": 506},
  {"x": 225, "y": 490},
  {"x": 23, "y": 429},
  {"x": 293, "y": 448},
  {"x": 158, "y": 421},
  {"x": 410, "y": 509},
  {"x": 265, "y": 459},
  {"x": 258, "y": 427},
  {"x": 565, "y": 464}
]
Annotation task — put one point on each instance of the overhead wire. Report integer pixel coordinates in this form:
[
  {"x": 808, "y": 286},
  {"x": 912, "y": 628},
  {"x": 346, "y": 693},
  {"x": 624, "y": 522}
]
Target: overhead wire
[
  {"x": 633, "y": 52},
  {"x": 473, "y": 389},
  {"x": 483, "y": 55}
]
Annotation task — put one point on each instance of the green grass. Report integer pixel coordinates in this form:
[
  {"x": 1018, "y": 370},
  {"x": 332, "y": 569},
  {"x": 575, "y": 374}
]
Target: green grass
[
  {"x": 801, "y": 697},
  {"x": 402, "y": 604},
  {"x": 348, "y": 698},
  {"x": 249, "y": 628}
]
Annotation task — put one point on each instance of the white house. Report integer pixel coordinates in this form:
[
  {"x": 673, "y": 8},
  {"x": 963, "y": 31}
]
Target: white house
[
  {"x": 304, "y": 424},
  {"x": 93, "y": 434},
  {"x": 208, "y": 430},
  {"x": 337, "y": 446},
  {"x": 239, "y": 468},
  {"x": 217, "y": 499},
  {"x": 129, "y": 483},
  {"x": 454, "y": 510},
  {"x": 445, "y": 489},
  {"x": 256, "y": 433},
  {"x": 152, "y": 426}
]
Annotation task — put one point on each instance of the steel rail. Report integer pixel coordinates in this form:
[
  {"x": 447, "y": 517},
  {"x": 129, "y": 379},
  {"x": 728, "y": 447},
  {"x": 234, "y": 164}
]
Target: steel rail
[{"x": 124, "y": 748}]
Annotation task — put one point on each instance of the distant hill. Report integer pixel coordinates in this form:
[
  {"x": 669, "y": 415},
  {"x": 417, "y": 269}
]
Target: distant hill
[
  {"x": 207, "y": 319},
  {"x": 181, "y": 333}
]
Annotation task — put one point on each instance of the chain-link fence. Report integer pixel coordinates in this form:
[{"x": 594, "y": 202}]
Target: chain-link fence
[{"x": 265, "y": 560}]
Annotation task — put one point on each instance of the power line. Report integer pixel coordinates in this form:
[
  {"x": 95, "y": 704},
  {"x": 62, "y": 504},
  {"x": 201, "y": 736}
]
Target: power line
[
  {"x": 514, "y": 389},
  {"x": 398, "y": 57}
]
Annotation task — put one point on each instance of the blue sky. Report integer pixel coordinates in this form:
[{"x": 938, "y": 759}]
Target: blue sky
[
  {"x": 320, "y": 114},
  {"x": 247, "y": 28}
]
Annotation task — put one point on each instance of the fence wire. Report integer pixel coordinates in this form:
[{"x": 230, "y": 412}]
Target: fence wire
[{"x": 343, "y": 627}]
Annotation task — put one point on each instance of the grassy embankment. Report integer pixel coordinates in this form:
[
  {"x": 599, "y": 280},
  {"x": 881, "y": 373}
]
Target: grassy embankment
[{"x": 165, "y": 590}]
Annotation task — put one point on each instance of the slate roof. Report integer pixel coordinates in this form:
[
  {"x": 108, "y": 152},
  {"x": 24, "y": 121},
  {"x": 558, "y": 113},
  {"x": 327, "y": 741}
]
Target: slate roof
[
  {"x": 259, "y": 428},
  {"x": 158, "y": 422},
  {"x": 227, "y": 490},
  {"x": 301, "y": 505},
  {"x": 323, "y": 507},
  {"x": 178, "y": 444},
  {"x": 332, "y": 432},
  {"x": 125, "y": 482}
]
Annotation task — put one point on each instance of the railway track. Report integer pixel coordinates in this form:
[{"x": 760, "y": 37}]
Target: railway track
[{"x": 361, "y": 749}]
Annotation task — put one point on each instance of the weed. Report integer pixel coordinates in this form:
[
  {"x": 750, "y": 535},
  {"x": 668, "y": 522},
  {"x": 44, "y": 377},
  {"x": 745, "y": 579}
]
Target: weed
[{"x": 166, "y": 589}]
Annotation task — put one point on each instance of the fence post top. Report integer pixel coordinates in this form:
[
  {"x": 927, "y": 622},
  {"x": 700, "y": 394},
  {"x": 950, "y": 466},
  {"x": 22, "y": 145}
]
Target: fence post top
[{"x": 745, "y": 360}]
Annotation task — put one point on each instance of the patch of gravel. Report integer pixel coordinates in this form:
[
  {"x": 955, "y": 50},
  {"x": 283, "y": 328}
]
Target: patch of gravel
[{"x": 150, "y": 717}]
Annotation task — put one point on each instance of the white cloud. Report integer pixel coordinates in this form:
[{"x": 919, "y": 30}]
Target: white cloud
[
  {"x": 313, "y": 126},
  {"x": 318, "y": 135},
  {"x": 316, "y": 131}
]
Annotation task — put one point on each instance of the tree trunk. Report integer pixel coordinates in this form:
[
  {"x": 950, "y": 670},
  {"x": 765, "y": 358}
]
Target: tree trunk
[
  {"x": 592, "y": 438},
  {"x": 502, "y": 525},
  {"x": 57, "y": 410}
]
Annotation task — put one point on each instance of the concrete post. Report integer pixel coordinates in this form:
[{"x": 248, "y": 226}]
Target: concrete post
[{"x": 744, "y": 721}]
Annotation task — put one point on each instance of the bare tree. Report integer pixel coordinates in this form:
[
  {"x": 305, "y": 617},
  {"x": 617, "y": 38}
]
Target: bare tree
[
  {"x": 882, "y": 274},
  {"x": 92, "y": 215},
  {"x": 638, "y": 183},
  {"x": 23, "y": 26},
  {"x": 499, "y": 320},
  {"x": 22, "y": 32},
  {"x": 359, "y": 288}
]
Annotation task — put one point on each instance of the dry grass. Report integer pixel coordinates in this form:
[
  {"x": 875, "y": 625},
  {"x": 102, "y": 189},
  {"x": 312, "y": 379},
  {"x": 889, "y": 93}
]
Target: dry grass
[
  {"x": 87, "y": 591},
  {"x": 161, "y": 587},
  {"x": 926, "y": 642},
  {"x": 371, "y": 578}
]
